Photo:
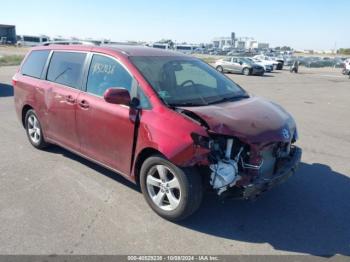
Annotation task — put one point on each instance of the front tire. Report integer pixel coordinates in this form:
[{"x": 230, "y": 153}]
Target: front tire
[
  {"x": 34, "y": 130},
  {"x": 173, "y": 193},
  {"x": 246, "y": 71}
]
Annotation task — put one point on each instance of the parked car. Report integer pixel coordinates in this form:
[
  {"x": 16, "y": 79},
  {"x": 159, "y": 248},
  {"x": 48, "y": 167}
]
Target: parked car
[
  {"x": 346, "y": 67},
  {"x": 268, "y": 66},
  {"x": 277, "y": 65},
  {"x": 280, "y": 59},
  {"x": 165, "y": 121},
  {"x": 289, "y": 60},
  {"x": 321, "y": 63},
  {"x": 199, "y": 50},
  {"x": 239, "y": 65}
]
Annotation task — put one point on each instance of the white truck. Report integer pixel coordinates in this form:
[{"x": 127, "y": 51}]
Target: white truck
[
  {"x": 268, "y": 65},
  {"x": 276, "y": 64}
]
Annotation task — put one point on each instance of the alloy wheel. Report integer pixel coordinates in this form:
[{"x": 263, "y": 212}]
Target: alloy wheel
[
  {"x": 34, "y": 129},
  {"x": 246, "y": 71},
  {"x": 163, "y": 187}
]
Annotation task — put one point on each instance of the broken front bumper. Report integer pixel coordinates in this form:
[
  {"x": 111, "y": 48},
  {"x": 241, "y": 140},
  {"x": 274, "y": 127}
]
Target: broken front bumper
[{"x": 261, "y": 185}]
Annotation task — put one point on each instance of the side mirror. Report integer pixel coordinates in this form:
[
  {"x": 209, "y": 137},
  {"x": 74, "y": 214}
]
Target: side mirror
[
  {"x": 118, "y": 96},
  {"x": 240, "y": 62}
]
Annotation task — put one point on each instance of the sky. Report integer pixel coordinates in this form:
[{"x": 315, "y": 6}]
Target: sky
[{"x": 301, "y": 24}]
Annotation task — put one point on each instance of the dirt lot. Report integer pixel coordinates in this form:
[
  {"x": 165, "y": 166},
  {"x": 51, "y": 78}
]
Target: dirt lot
[
  {"x": 53, "y": 202},
  {"x": 11, "y": 50}
]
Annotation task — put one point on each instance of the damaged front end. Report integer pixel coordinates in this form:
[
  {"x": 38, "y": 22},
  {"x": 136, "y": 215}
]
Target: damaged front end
[
  {"x": 251, "y": 146},
  {"x": 245, "y": 171}
]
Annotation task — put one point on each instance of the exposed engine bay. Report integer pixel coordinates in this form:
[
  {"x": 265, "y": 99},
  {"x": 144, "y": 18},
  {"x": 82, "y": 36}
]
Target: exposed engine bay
[
  {"x": 250, "y": 152},
  {"x": 233, "y": 163},
  {"x": 224, "y": 170}
]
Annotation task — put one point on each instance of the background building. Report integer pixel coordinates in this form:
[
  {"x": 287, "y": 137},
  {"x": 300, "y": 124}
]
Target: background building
[
  {"x": 233, "y": 42},
  {"x": 240, "y": 44},
  {"x": 221, "y": 42},
  {"x": 8, "y": 34},
  {"x": 263, "y": 45}
]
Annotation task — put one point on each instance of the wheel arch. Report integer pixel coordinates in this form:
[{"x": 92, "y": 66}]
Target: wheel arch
[
  {"x": 141, "y": 157},
  {"x": 25, "y": 109},
  {"x": 247, "y": 67}
]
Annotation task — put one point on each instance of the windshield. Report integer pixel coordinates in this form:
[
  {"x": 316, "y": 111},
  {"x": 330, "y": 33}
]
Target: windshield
[
  {"x": 247, "y": 61},
  {"x": 182, "y": 81}
]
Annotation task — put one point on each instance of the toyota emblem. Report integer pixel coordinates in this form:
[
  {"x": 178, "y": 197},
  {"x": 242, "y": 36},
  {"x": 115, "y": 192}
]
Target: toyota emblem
[{"x": 285, "y": 133}]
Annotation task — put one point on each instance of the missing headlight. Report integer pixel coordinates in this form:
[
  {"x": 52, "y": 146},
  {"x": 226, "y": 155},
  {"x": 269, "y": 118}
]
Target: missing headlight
[
  {"x": 224, "y": 169},
  {"x": 202, "y": 141}
]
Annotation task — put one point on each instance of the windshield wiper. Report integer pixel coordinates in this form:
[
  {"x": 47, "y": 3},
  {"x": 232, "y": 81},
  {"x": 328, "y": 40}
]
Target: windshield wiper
[
  {"x": 227, "y": 99},
  {"x": 187, "y": 104}
]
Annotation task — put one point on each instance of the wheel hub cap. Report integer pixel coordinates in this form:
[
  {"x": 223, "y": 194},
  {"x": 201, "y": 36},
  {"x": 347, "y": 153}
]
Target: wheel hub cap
[
  {"x": 163, "y": 187},
  {"x": 34, "y": 129}
]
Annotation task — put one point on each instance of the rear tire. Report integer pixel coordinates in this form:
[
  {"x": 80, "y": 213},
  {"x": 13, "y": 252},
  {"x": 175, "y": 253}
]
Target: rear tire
[
  {"x": 173, "y": 193},
  {"x": 34, "y": 130},
  {"x": 220, "y": 69}
]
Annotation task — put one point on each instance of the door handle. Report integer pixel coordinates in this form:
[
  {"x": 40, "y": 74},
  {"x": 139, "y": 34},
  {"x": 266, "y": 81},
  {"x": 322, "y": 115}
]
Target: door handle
[
  {"x": 70, "y": 99},
  {"x": 84, "y": 104}
]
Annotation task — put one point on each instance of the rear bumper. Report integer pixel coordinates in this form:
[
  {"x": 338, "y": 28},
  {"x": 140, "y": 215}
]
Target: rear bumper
[
  {"x": 280, "y": 65},
  {"x": 261, "y": 185}
]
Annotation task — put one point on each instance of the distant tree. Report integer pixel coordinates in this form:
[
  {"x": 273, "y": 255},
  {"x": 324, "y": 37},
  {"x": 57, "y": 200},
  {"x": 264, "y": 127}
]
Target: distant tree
[
  {"x": 286, "y": 48},
  {"x": 344, "y": 51}
]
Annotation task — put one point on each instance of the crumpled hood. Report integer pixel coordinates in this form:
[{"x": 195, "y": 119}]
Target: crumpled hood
[{"x": 254, "y": 120}]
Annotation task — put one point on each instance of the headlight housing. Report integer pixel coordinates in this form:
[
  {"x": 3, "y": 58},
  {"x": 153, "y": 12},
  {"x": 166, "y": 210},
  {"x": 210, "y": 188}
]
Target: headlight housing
[
  {"x": 202, "y": 141},
  {"x": 295, "y": 135}
]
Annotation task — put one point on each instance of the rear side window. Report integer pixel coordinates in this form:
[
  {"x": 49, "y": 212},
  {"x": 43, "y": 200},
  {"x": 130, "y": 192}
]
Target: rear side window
[
  {"x": 66, "y": 68},
  {"x": 105, "y": 73},
  {"x": 35, "y": 63}
]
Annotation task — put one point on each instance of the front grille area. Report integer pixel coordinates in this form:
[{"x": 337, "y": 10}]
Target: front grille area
[
  {"x": 282, "y": 150},
  {"x": 268, "y": 165},
  {"x": 270, "y": 156}
]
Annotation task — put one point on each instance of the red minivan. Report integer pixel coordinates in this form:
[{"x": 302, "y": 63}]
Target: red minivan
[{"x": 166, "y": 121}]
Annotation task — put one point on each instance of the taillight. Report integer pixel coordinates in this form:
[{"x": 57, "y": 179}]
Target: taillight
[{"x": 14, "y": 81}]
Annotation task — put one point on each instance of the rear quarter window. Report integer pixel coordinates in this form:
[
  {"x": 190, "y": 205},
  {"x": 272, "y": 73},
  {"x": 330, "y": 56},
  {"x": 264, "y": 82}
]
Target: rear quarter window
[
  {"x": 66, "y": 68},
  {"x": 34, "y": 64}
]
